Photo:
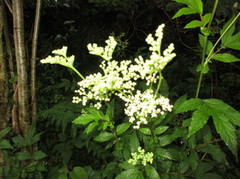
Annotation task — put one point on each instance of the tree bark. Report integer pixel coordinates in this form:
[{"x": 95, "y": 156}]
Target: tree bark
[
  {"x": 20, "y": 55},
  {"x": 33, "y": 61},
  {"x": 3, "y": 88}
]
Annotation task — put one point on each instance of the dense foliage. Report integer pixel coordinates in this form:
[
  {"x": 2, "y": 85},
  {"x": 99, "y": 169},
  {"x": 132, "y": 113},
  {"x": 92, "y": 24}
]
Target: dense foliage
[{"x": 167, "y": 107}]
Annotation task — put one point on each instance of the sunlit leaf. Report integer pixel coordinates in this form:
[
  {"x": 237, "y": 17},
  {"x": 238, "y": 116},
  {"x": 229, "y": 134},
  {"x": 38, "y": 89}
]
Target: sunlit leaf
[
  {"x": 145, "y": 130},
  {"x": 193, "y": 24},
  {"x": 189, "y": 105},
  {"x": 225, "y": 57},
  {"x": 184, "y": 11}
]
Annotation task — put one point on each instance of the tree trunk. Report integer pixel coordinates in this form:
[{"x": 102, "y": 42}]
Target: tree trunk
[
  {"x": 20, "y": 55},
  {"x": 3, "y": 88},
  {"x": 33, "y": 61}
]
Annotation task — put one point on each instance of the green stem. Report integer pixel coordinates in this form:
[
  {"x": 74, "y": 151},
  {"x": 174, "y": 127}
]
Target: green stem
[
  {"x": 159, "y": 83},
  {"x": 211, "y": 52},
  {"x": 205, "y": 47},
  {"x": 75, "y": 70}
]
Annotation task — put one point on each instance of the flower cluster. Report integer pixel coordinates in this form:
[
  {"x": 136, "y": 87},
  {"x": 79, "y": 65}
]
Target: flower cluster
[
  {"x": 144, "y": 105},
  {"x": 140, "y": 155},
  {"x": 60, "y": 58},
  {"x": 149, "y": 68},
  {"x": 115, "y": 78},
  {"x": 120, "y": 78},
  {"x": 105, "y": 52}
]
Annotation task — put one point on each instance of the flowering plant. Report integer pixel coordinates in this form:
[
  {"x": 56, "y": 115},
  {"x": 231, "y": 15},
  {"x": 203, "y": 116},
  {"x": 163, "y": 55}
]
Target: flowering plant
[{"x": 120, "y": 79}]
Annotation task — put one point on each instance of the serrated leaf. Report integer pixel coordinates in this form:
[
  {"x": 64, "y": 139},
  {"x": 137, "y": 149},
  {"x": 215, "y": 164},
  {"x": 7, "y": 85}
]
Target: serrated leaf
[
  {"x": 4, "y": 144},
  {"x": 121, "y": 128},
  {"x": 199, "y": 119},
  {"x": 193, "y": 158},
  {"x": 145, "y": 130},
  {"x": 104, "y": 136},
  {"x": 161, "y": 129},
  {"x": 184, "y": 11},
  {"x": 215, "y": 152},
  {"x": 226, "y": 131},
  {"x": 225, "y": 57},
  {"x": 194, "y": 24},
  {"x": 151, "y": 172},
  {"x": 38, "y": 155},
  {"x": 5, "y": 131},
  {"x": 90, "y": 127},
  {"x": 189, "y": 105},
  {"x": 229, "y": 40},
  {"x": 85, "y": 119}
]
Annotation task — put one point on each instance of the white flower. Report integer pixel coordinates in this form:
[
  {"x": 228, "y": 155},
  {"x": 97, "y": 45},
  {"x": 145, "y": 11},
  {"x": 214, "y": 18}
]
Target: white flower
[
  {"x": 141, "y": 155},
  {"x": 144, "y": 105}
]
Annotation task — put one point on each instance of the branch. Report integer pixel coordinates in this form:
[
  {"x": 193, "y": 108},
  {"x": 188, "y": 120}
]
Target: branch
[{"x": 9, "y": 5}]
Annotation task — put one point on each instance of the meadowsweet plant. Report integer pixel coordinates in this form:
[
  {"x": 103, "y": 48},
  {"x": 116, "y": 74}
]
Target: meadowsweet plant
[
  {"x": 125, "y": 118},
  {"x": 120, "y": 80}
]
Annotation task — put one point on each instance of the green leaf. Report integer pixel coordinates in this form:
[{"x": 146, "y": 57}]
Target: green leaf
[
  {"x": 125, "y": 165},
  {"x": 202, "y": 68},
  {"x": 121, "y": 128},
  {"x": 31, "y": 131},
  {"x": 169, "y": 138},
  {"x": 202, "y": 43},
  {"x": 5, "y": 131},
  {"x": 193, "y": 159},
  {"x": 151, "y": 172},
  {"x": 131, "y": 173},
  {"x": 145, "y": 130},
  {"x": 194, "y": 6},
  {"x": 225, "y": 57},
  {"x": 206, "y": 18},
  {"x": 194, "y": 24},
  {"x": 104, "y": 136},
  {"x": 199, "y": 119},
  {"x": 133, "y": 142},
  {"x": 85, "y": 119},
  {"x": 23, "y": 155},
  {"x": 189, "y": 105},
  {"x": 222, "y": 121},
  {"x": 229, "y": 40},
  {"x": 19, "y": 141},
  {"x": 184, "y": 11},
  {"x": 90, "y": 127},
  {"x": 164, "y": 154},
  {"x": 78, "y": 173},
  {"x": 4, "y": 144},
  {"x": 161, "y": 129},
  {"x": 38, "y": 155},
  {"x": 179, "y": 101},
  {"x": 215, "y": 152},
  {"x": 226, "y": 131}
]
